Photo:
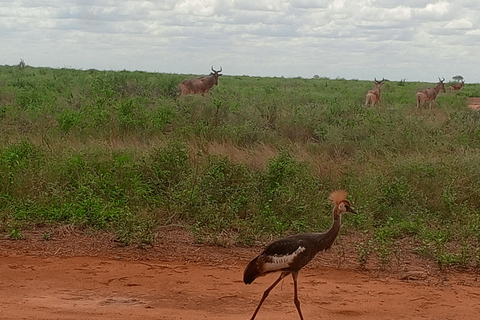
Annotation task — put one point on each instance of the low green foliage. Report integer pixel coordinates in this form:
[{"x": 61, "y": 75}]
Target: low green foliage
[{"x": 120, "y": 151}]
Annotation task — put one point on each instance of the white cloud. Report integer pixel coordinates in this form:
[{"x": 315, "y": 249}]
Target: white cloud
[
  {"x": 438, "y": 8},
  {"x": 204, "y": 8},
  {"x": 258, "y": 37},
  {"x": 310, "y": 4},
  {"x": 261, "y": 5},
  {"x": 463, "y": 23}
]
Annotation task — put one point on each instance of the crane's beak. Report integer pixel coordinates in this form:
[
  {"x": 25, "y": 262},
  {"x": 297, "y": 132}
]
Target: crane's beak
[{"x": 350, "y": 209}]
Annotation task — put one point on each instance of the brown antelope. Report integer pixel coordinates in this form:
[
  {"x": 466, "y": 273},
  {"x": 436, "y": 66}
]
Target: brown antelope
[
  {"x": 373, "y": 96},
  {"x": 430, "y": 94},
  {"x": 457, "y": 86},
  {"x": 201, "y": 85}
]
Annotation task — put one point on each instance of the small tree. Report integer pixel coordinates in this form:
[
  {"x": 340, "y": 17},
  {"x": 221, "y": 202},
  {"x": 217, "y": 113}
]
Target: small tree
[{"x": 458, "y": 78}]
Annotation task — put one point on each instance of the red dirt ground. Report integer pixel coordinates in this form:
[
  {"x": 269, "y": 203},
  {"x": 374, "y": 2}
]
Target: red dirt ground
[
  {"x": 77, "y": 276},
  {"x": 474, "y": 103}
]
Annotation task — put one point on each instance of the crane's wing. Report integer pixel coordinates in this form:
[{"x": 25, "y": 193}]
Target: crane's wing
[{"x": 286, "y": 246}]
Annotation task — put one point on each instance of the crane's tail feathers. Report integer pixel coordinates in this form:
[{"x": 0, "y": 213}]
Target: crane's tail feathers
[{"x": 251, "y": 271}]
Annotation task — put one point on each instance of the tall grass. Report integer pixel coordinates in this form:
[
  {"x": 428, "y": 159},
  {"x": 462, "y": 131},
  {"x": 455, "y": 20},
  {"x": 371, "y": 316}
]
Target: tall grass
[{"x": 257, "y": 156}]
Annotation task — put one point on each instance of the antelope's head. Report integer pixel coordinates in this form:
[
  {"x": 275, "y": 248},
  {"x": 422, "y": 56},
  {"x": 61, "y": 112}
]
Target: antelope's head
[
  {"x": 441, "y": 85},
  {"x": 216, "y": 74},
  {"x": 378, "y": 84}
]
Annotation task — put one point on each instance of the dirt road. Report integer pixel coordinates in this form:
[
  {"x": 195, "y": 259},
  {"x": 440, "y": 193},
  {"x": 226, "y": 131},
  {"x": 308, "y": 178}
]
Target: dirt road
[
  {"x": 474, "y": 103},
  {"x": 81, "y": 279}
]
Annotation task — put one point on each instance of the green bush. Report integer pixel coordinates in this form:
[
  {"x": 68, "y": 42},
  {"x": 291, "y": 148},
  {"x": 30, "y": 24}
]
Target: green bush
[{"x": 121, "y": 151}]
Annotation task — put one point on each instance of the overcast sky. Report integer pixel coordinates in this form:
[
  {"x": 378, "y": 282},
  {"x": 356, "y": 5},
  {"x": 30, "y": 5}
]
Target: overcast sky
[{"x": 416, "y": 40}]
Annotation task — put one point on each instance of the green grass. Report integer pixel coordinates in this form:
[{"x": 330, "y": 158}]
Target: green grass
[{"x": 118, "y": 151}]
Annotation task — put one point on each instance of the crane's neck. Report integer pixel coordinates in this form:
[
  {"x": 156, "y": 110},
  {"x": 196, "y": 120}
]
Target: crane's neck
[
  {"x": 337, "y": 222},
  {"x": 327, "y": 239}
]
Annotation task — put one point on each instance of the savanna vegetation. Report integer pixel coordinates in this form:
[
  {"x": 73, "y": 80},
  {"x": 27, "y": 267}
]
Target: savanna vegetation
[{"x": 117, "y": 151}]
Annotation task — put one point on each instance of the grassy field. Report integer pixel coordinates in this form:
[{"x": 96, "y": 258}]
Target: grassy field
[{"x": 256, "y": 157}]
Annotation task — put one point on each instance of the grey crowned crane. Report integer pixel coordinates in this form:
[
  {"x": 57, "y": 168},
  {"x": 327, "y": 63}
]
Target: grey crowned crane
[{"x": 290, "y": 254}]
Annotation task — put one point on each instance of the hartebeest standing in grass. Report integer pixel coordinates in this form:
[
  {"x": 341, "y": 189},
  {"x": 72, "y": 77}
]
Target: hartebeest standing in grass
[
  {"x": 430, "y": 94},
  {"x": 373, "y": 96},
  {"x": 201, "y": 85},
  {"x": 457, "y": 86}
]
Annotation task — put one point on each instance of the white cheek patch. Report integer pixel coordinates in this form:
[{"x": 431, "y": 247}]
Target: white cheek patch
[{"x": 281, "y": 262}]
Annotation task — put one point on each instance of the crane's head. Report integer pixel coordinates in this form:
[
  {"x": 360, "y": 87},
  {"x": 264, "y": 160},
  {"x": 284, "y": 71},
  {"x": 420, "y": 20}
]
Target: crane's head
[{"x": 339, "y": 199}]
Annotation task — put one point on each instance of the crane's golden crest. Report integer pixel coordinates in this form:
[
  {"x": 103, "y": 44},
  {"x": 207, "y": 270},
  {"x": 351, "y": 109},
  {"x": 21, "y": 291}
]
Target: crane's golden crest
[{"x": 338, "y": 196}]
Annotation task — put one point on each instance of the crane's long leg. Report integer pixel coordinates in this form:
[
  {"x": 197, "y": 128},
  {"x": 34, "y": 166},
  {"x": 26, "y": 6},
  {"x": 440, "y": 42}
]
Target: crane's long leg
[
  {"x": 265, "y": 294},
  {"x": 295, "y": 296}
]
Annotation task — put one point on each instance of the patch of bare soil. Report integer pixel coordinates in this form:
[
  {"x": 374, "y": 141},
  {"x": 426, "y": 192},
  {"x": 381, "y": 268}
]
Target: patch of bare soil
[
  {"x": 474, "y": 103},
  {"x": 79, "y": 276}
]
